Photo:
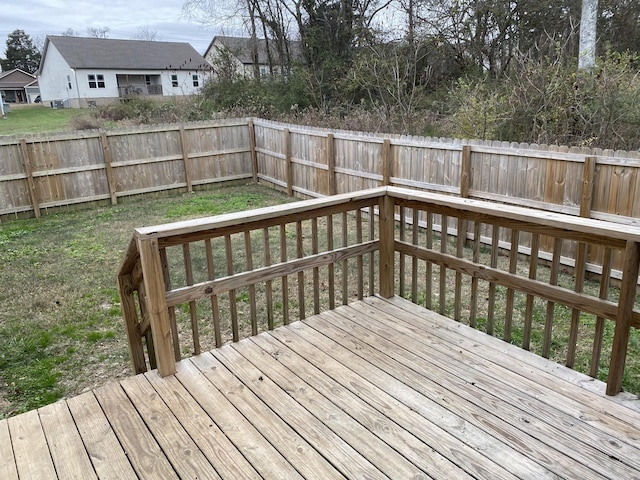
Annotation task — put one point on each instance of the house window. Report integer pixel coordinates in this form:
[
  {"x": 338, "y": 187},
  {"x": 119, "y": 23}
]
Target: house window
[
  {"x": 96, "y": 81},
  {"x": 174, "y": 80},
  {"x": 69, "y": 82},
  {"x": 263, "y": 71},
  {"x": 195, "y": 81}
]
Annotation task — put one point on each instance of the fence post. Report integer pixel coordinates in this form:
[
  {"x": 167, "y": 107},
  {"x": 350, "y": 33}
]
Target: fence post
[
  {"x": 624, "y": 317},
  {"x": 106, "y": 153},
  {"x": 465, "y": 171},
  {"x": 287, "y": 159},
  {"x": 185, "y": 158},
  {"x": 588, "y": 175},
  {"x": 331, "y": 163},
  {"x": 387, "y": 248},
  {"x": 385, "y": 161},
  {"x": 33, "y": 193},
  {"x": 252, "y": 147},
  {"x": 156, "y": 305}
]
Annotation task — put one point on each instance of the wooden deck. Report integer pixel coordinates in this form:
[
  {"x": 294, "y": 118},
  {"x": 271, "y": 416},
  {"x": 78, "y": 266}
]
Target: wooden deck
[{"x": 377, "y": 389}]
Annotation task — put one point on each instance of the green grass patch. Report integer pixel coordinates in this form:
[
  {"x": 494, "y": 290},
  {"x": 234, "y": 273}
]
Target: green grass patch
[
  {"x": 61, "y": 328},
  {"x": 38, "y": 118}
]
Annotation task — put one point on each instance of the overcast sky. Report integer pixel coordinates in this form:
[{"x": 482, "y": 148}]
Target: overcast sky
[{"x": 124, "y": 18}]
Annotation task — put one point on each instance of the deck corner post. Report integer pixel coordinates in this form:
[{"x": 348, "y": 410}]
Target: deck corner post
[
  {"x": 156, "y": 305},
  {"x": 387, "y": 249},
  {"x": 624, "y": 317}
]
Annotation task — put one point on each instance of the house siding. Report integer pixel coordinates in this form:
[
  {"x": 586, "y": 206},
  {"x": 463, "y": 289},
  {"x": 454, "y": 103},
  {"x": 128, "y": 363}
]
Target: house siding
[{"x": 53, "y": 77}]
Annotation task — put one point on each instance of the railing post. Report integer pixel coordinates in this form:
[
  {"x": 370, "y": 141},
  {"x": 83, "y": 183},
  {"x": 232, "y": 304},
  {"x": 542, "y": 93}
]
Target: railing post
[
  {"x": 624, "y": 317},
  {"x": 387, "y": 248},
  {"x": 156, "y": 305},
  {"x": 131, "y": 322}
]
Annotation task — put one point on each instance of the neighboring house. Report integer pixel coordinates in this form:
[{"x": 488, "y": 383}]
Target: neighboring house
[
  {"x": 80, "y": 72},
  {"x": 18, "y": 86},
  {"x": 234, "y": 55}
]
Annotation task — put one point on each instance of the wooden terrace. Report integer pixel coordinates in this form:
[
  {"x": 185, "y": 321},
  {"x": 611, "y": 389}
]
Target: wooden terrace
[{"x": 368, "y": 384}]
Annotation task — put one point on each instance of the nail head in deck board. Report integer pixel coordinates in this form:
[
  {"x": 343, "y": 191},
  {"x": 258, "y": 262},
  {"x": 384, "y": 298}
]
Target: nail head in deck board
[
  {"x": 144, "y": 453},
  {"x": 326, "y": 442},
  {"x": 67, "y": 450},
  {"x": 177, "y": 445},
  {"x": 247, "y": 439},
  {"x": 375, "y": 434},
  {"x": 574, "y": 449},
  {"x": 8, "y": 468},
  {"x": 107, "y": 456},
  {"x": 30, "y": 448},
  {"x": 426, "y": 396},
  {"x": 212, "y": 441},
  {"x": 294, "y": 447},
  {"x": 532, "y": 373},
  {"x": 313, "y": 345}
]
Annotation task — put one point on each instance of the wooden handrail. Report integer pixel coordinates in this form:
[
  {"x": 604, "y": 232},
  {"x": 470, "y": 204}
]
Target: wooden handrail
[{"x": 149, "y": 298}]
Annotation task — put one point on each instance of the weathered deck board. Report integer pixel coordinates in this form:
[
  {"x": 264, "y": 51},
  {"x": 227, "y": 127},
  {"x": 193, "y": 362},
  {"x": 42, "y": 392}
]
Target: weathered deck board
[{"x": 375, "y": 389}]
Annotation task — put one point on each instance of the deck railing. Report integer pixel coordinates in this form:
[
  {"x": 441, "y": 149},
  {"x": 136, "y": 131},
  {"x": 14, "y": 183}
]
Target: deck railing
[{"x": 211, "y": 280}]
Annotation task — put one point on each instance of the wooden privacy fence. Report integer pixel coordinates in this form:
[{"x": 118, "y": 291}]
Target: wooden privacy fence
[
  {"x": 336, "y": 244},
  {"x": 37, "y": 173}
]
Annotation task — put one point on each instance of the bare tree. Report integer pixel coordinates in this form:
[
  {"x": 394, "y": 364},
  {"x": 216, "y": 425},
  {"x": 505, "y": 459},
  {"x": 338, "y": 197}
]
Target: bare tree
[
  {"x": 70, "y": 32},
  {"x": 98, "y": 32},
  {"x": 146, "y": 33}
]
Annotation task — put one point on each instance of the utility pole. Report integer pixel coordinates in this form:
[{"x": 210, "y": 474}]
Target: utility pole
[{"x": 588, "y": 21}]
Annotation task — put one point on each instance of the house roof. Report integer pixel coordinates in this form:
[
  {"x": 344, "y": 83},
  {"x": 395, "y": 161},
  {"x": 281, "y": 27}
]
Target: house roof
[
  {"x": 111, "y": 54},
  {"x": 15, "y": 79},
  {"x": 241, "y": 48}
]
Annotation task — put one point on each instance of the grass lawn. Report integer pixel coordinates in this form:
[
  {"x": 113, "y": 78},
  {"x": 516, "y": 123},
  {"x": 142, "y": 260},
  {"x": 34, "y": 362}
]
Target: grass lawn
[
  {"x": 61, "y": 330},
  {"x": 38, "y": 118}
]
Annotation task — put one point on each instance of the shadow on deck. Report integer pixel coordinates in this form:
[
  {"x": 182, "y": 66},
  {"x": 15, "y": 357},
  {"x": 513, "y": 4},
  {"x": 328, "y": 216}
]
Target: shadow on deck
[{"x": 381, "y": 388}]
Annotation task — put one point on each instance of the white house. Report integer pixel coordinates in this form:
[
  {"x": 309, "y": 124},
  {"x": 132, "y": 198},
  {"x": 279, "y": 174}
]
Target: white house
[
  {"x": 236, "y": 54},
  {"x": 80, "y": 72}
]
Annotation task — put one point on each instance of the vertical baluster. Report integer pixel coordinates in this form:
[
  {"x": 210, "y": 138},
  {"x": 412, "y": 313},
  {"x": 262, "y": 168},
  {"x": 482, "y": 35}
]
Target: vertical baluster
[
  {"x": 215, "y": 309},
  {"x": 579, "y": 272},
  {"x": 252, "y": 287},
  {"x": 553, "y": 280},
  {"x": 188, "y": 269},
  {"x": 428, "y": 300},
  {"x": 372, "y": 267},
  {"x": 473, "y": 308},
  {"x": 513, "y": 265},
  {"x": 359, "y": 258},
  {"x": 316, "y": 270},
  {"x": 171, "y": 310},
  {"x": 300, "y": 254},
  {"x": 491, "y": 307},
  {"x": 233, "y": 308},
  {"x": 402, "y": 256},
  {"x": 528, "y": 311},
  {"x": 460, "y": 239},
  {"x": 345, "y": 263},
  {"x": 269, "y": 284},
  {"x": 331, "y": 267},
  {"x": 443, "y": 271},
  {"x": 285, "y": 279},
  {"x": 605, "y": 283},
  {"x": 414, "y": 259}
]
